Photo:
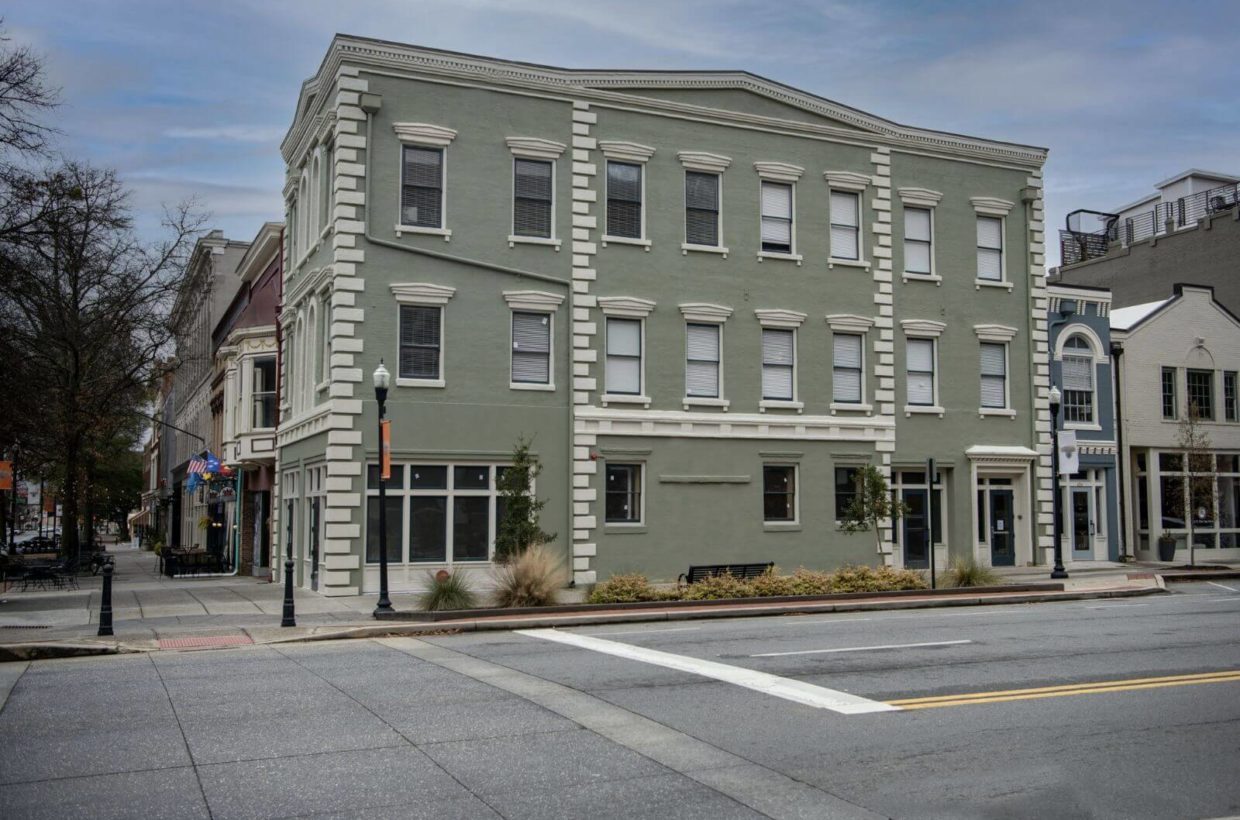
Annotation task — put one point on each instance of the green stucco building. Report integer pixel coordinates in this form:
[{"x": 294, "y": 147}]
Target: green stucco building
[{"x": 706, "y": 297}]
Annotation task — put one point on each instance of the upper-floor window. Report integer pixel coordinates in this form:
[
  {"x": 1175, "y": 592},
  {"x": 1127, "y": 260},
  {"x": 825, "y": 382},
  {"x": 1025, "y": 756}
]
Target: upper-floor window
[
  {"x": 702, "y": 360},
  {"x": 846, "y": 368},
  {"x": 1169, "y": 403},
  {"x": 1201, "y": 394},
  {"x": 990, "y": 248},
  {"x": 1078, "y": 381},
  {"x": 777, "y": 217},
  {"x": 918, "y": 241},
  {"x": 702, "y": 208},
  {"x": 778, "y": 364},
  {"x": 624, "y": 356},
  {"x": 624, "y": 199},
  {"x": 531, "y": 348},
  {"x": 1230, "y": 411},
  {"x": 421, "y": 342},
  {"x": 845, "y": 225},
  {"x": 994, "y": 375},
  {"x": 532, "y": 198},
  {"x": 421, "y": 199},
  {"x": 264, "y": 392},
  {"x": 920, "y": 371}
]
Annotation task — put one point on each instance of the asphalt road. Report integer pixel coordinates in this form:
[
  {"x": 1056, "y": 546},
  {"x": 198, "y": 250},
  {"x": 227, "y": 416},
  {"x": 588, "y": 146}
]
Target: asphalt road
[{"x": 1120, "y": 709}]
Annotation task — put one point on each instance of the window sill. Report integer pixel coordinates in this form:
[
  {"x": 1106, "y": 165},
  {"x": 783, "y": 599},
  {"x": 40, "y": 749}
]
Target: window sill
[
  {"x": 702, "y": 401},
  {"x": 781, "y": 526},
  {"x": 685, "y": 247},
  {"x": 514, "y": 240},
  {"x": 907, "y": 277},
  {"x": 1077, "y": 425},
  {"x": 621, "y": 528},
  {"x": 781, "y": 257},
  {"x": 851, "y": 407},
  {"x": 978, "y": 284},
  {"x": 446, "y": 233},
  {"x": 321, "y": 386},
  {"x": 547, "y": 388},
  {"x": 780, "y": 404},
  {"x": 983, "y": 412},
  {"x": 625, "y": 240},
  {"x": 624, "y": 398},
  {"x": 923, "y": 410},
  {"x": 419, "y": 382},
  {"x": 832, "y": 262}
]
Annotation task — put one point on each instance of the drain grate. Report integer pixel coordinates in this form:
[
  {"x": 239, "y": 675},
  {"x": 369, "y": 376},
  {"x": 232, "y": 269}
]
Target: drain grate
[
  {"x": 25, "y": 626},
  {"x": 205, "y": 642}
]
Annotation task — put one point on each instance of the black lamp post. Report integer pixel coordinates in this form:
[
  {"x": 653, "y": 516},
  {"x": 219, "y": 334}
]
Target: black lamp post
[
  {"x": 382, "y": 380},
  {"x": 1058, "y": 571}
]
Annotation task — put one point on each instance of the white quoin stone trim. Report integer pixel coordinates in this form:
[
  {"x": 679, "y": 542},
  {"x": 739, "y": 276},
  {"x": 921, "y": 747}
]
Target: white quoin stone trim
[
  {"x": 848, "y": 180},
  {"x": 991, "y": 206},
  {"x": 849, "y": 322},
  {"x": 703, "y": 161},
  {"x": 779, "y": 171},
  {"x": 532, "y": 299},
  {"x": 423, "y": 133},
  {"x": 995, "y": 333},
  {"x": 705, "y": 312},
  {"x": 422, "y": 293},
  {"x": 629, "y": 306},
  {"x": 627, "y": 151},
  {"x": 919, "y": 197},
  {"x": 535, "y": 148},
  {"x": 780, "y": 318}
]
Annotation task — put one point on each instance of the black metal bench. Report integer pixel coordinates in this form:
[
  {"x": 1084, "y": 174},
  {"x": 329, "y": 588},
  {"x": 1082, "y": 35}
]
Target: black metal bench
[{"x": 697, "y": 573}]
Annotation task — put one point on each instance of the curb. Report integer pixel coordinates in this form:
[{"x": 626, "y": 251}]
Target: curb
[{"x": 1184, "y": 576}]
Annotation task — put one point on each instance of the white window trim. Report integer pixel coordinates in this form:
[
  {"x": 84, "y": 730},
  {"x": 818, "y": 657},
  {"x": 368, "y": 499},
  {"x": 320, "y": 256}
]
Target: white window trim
[
  {"x": 625, "y": 307},
  {"x": 778, "y": 319},
  {"x": 325, "y": 344},
  {"x": 929, "y": 330},
  {"x": 704, "y": 168},
  {"x": 1006, "y": 410},
  {"x": 423, "y": 294},
  {"x": 928, "y": 200},
  {"x": 549, "y": 385},
  {"x": 795, "y": 522},
  {"x": 633, "y": 153},
  {"x": 705, "y": 401},
  {"x": 787, "y": 174},
  {"x": 640, "y": 464},
  {"x": 994, "y": 207},
  {"x": 535, "y": 148},
  {"x": 851, "y": 183},
  {"x": 704, "y": 313},
  {"x": 1096, "y": 353},
  {"x": 424, "y": 135},
  {"x": 861, "y": 406}
]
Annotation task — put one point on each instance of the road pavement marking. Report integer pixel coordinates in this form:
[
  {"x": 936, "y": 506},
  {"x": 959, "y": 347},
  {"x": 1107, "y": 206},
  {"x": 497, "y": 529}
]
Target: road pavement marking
[
  {"x": 648, "y": 631},
  {"x": 858, "y": 649},
  {"x": 1223, "y": 586},
  {"x": 1002, "y": 696},
  {"x": 805, "y": 622},
  {"x": 787, "y": 688},
  {"x": 1115, "y": 606}
]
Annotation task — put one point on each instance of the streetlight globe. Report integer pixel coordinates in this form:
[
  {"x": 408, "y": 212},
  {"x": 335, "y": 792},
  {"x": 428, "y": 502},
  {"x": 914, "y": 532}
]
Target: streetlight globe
[
  {"x": 382, "y": 377},
  {"x": 1055, "y": 395}
]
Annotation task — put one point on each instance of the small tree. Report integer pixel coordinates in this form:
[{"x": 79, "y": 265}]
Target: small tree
[
  {"x": 1199, "y": 470},
  {"x": 872, "y": 505},
  {"x": 517, "y": 529}
]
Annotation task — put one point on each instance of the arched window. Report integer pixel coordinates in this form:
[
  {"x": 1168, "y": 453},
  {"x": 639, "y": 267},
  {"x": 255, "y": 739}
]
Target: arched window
[
  {"x": 325, "y": 338},
  {"x": 312, "y": 354},
  {"x": 1078, "y": 380},
  {"x": 316, "y": 188}
]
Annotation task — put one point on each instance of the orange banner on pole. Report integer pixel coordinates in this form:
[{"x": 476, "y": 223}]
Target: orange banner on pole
[
  {"x": 385, "y": 449},
  {"x": 6, "y": 475}
]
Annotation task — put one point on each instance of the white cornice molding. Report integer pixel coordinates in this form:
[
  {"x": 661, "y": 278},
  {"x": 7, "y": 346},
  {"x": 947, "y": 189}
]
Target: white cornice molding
[
  {"x": 991, "y": 206},
  {"x": 705, "y": 312},
  {"x": 919, "y": 197},
  {"x": 848, "y": 180},
  {"x": 424, "y": 133},
  {"x": 422, "y": 293},
  {"x": 849, "y": 322},
  {"x": 535, "y": 148},
  {"x": 923, "y": 327},
  {"x": 994, "y": 333},
  {"x": 533, "y": 300},
  {"x": 779, "y": 171},
  {"x": 702, "y": 161},
  {"x": 627, "y": 151},
  {"x": 628, "y": 306},
  {"x": 775, "y": 317}
]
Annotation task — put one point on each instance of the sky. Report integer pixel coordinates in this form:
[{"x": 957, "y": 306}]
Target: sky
[{"x": 191, "y": 98}]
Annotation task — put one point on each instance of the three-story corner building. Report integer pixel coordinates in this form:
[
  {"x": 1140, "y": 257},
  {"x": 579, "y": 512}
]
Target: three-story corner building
[
  {"x": 706, "y": 298},
  {"x": 1081, "y": 367}
]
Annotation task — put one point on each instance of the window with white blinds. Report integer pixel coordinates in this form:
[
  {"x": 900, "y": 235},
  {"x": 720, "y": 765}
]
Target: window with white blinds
[
  {"x": 990, "y": 248},
  {"x": 702, "y": 360},
  {"x": 701, "y": 208},
  {"x": 420, "y": 342},
  {"x": 624, "y": 200},
  {"x": 994, "y": 375},
  {"x": 776, "y": 217},
  {"x": 920, "y": 371},
  {"x": 1077, "y": 374},
  {"x": 778, "y": 363},
  {"x": 917, "y": 241},
  {"x": 846, "y": 367},
  {"x": 531, "y": 206},
  {"x": 624, "y": 356},
  {"x": 531, "y": 348},
  {"x": 421, "y": 194},
  {"x": 845, "y": 225}
]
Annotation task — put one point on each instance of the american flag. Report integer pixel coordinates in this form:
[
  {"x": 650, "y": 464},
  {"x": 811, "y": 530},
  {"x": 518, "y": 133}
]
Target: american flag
[{"x": 197, "y": 466}]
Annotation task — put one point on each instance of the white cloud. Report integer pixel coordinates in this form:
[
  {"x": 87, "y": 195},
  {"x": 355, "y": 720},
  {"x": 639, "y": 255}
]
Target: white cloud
[{"x": 229, "y": 133}]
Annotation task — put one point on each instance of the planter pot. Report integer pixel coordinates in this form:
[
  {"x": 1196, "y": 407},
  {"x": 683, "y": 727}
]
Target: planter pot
[{"x": 1166, "y": 549}]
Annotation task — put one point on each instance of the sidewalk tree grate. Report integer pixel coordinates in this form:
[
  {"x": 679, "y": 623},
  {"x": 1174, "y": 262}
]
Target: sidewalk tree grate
[{"x": 206, "y": 642}]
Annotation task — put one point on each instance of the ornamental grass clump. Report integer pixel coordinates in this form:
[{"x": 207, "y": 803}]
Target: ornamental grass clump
[
  {"x": 447, "y": 591},
  {"x": 967, "y": 572},
  {"x": 531, "y": 578}
]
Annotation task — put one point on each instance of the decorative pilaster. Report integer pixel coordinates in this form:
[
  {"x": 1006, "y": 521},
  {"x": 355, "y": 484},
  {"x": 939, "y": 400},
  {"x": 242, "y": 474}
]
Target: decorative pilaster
[
  {"x": 584, "y": 356},
  {"x": 1041, "y": 368},
  {"x": 884, "y": 324}
]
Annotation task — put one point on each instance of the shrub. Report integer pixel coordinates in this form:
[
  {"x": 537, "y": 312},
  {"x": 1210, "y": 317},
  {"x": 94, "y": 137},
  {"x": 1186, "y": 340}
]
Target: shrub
[
  {"x": 718, "y": 587},
  {"x": 453, "y": 591},
  {"x": 772, "y": 585},
  {"x": 623, "y": 589},
  {"x": 530, "y": 578},
  {"x": 966, "y": 572},
  {"x": 810, "y": 582},
  {"x": 871, "y": 579}
]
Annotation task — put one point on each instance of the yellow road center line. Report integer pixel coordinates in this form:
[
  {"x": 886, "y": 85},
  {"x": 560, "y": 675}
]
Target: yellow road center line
[{"x": 1069, "y": 689}]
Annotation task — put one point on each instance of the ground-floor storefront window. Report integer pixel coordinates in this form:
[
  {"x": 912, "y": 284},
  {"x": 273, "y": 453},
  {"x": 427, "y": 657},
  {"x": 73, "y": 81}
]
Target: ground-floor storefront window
[{"x": 1173, "y": 490}]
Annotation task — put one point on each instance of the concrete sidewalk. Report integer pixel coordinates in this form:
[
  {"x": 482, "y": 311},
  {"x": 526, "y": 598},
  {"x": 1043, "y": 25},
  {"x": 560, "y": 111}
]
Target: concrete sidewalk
[{"x": 152, "y": 612}]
